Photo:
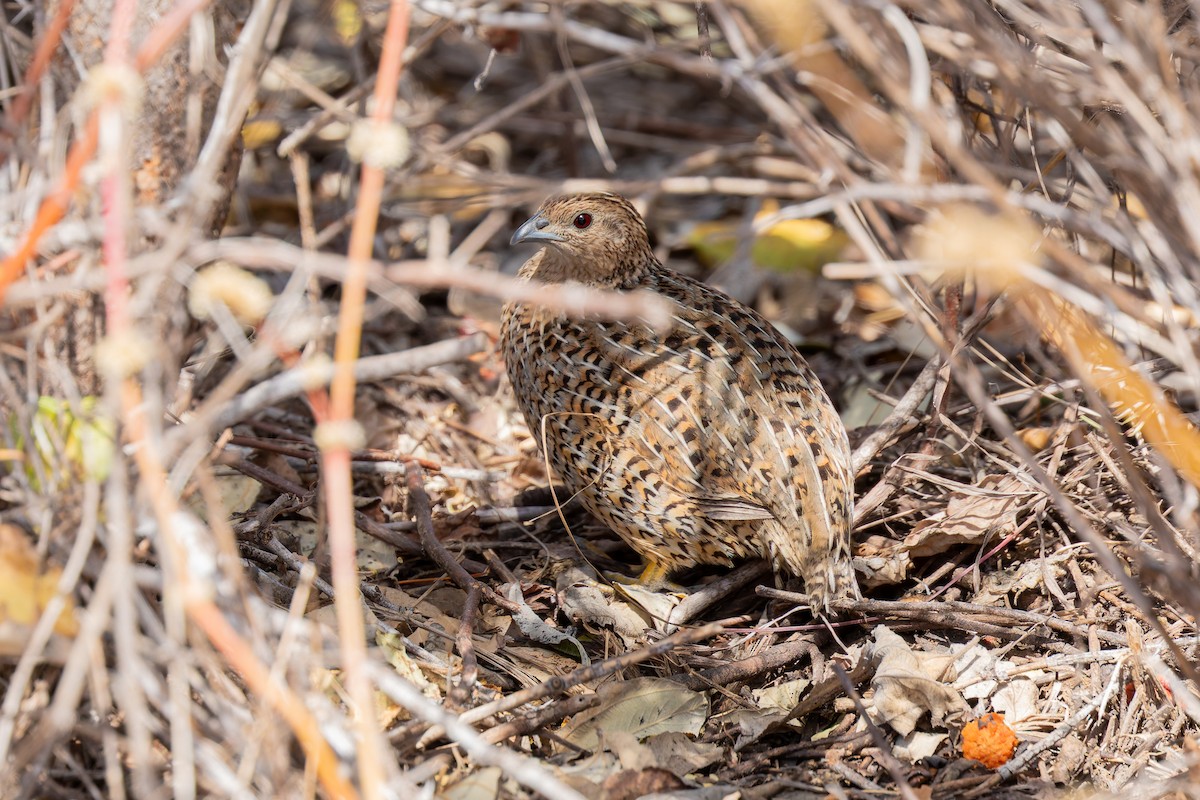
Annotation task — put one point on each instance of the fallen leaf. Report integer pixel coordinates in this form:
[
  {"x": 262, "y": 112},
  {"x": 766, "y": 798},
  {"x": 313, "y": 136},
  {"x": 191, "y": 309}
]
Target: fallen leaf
[
  {"x": 784, "y": 696},
  {"x": 683, "y": 754},
  {"x": 478, "y": 784},
  {"x": 998, "y": 586},
  {"x": 535, "y": 628},
  {"x": 430, "y": 607},
  {"x": 1072, "y": 757},
  {"x": 909, "y": 684},
  {"x": 918, "y": 745},
  {"x": 643, "y": 707},
  {"x": 258, "y": 133},
  {"x": 1018, "y": 699},
  {"x": 798, "y": 244},
  {"x": 25, "y": 591},
  {"x": 387, "y": 710},
  {"x": 989, "y": 508},
  {"x": 583, "y": 602},
  {"x": 975, "y": 668},
  {"x": 788, "y": 245},
  {"x": 530, "y": 666},
  {"x": 751, "y": 724},
  {"x": 632, "y": 754},
  {"x": 86, "y": 440},
  {"x": 237, "y": 492},
  {"x": 373, "y": 556},
  {"x": 655, "y": 607},
  {"x": 632, "y": 784}
]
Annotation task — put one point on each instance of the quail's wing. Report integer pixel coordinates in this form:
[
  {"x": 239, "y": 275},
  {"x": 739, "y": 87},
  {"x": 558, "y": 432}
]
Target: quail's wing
[
  {"x": 734, "y": 415},
  {"x": 730, "y": 509}
]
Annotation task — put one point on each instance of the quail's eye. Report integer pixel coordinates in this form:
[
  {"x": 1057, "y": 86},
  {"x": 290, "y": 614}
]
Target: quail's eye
[{"x": 581, "y": 221}]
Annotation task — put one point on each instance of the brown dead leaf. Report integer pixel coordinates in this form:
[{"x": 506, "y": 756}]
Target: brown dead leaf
[
  {"x": 632, "y": 754},
  {"x": 530, "y": 666},
  {"x": 431, "y": 606},
  {"x": 478, "y": 784},
  {"x": 1070, "y": 760},
  {"x": 781, "y": 696},
  {"x": 883, "y": 561},
  {"x": 583, "y": 602},
  {"x": 373, "y": 556},
  {"x": 630, "y": 784},
  {"x": 997, "y": 587},
  {"x": 237, "y": 492},
  {"x": 460, "y": 525},
  {"x": 751, "y": 724},
  {"x": 918, "y": 745},
  {"x": 989, "y": 508},
  {"x": 908, "y": 684},
  {"x": 682, "y": 753},
  {"x": 643, "y": 707}
]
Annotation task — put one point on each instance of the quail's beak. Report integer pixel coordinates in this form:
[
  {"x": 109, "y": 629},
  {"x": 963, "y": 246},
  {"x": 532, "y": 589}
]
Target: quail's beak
[{"x": 534, "y": 230}]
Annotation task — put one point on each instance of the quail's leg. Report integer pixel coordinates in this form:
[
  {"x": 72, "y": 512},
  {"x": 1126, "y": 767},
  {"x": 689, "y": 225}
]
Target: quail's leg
[{"x": 653, "y": 578}]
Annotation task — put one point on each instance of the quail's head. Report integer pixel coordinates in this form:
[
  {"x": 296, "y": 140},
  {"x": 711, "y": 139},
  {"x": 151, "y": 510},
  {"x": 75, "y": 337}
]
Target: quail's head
[{"x": 597, "y": 239}]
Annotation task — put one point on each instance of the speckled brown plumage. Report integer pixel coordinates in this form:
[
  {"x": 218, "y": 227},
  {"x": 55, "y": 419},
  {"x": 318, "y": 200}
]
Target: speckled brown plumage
[{"x": 708, "y": 443}]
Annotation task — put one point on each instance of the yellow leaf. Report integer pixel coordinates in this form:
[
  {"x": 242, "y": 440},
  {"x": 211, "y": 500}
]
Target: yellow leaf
[
  {"x": 57, "y": 435},
  {"x": 713, "y": 242},
  {"x": 347, "y": 20},
  {"x": 798, "y": 244},
  {"x": 24, "y": 590},
  {"x": 786, "y": 246},
  {"x": 260, "y": 133}
]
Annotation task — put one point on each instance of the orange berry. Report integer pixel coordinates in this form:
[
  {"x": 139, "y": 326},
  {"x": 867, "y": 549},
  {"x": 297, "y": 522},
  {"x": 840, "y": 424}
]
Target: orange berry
[{"x": 989, "y": 740}]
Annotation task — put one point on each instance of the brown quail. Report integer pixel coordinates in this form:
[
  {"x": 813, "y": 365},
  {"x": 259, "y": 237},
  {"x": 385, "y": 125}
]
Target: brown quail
[{"x": 711, "y": 442}]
